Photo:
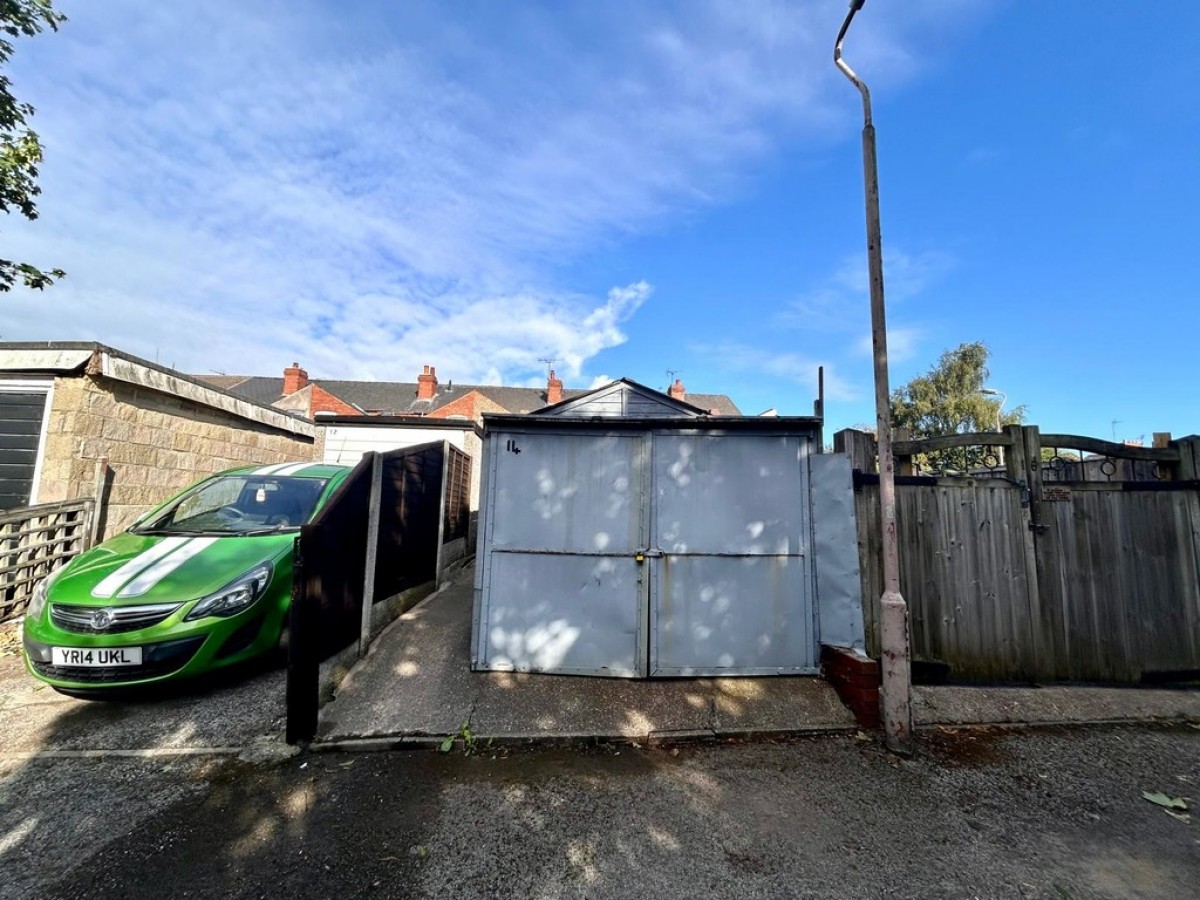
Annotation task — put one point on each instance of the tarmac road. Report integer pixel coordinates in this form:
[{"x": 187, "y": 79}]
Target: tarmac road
[{"x": 1055, "y": 813}]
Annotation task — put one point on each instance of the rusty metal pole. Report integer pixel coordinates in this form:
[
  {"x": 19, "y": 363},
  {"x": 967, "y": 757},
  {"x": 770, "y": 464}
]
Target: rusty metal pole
[{"x": 893, "y": 611}]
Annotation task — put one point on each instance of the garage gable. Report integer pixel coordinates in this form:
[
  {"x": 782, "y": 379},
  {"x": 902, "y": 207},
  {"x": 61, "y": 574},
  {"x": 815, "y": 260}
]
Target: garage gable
[{"x": 622, "y": 399}]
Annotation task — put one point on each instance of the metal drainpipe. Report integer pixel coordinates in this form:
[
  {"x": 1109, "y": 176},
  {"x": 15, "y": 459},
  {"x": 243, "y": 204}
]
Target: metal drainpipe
[{"x": 893, "y": 611}]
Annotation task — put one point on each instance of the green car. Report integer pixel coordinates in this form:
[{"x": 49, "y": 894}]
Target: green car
[{"x": 202, "y": 582}]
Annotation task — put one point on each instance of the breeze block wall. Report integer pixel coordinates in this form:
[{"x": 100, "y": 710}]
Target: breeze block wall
[{"x": 156, "y": 444}]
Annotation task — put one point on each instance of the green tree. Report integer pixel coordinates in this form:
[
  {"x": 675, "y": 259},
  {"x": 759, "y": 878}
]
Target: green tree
[
  {"x": 949, "y": 399},
  {"x": 20, "y": 149}
]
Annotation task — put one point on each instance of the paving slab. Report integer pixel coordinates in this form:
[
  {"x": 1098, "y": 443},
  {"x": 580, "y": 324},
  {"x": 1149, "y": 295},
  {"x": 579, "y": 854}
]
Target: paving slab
[{"x": 1052, "y": 704}]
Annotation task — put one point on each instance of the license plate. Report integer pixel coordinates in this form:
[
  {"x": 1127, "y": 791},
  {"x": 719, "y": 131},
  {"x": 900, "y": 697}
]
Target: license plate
[{"x": 97, "y": 657}]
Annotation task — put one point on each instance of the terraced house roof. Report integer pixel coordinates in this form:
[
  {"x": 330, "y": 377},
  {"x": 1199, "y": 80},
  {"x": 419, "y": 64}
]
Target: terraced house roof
[{"x": 427, "y": 396}]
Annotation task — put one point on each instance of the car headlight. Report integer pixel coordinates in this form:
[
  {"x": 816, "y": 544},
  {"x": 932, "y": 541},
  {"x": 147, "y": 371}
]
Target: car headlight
[
  {"x": 235, "y": 596},
  {"x": 37, "y": 603}
]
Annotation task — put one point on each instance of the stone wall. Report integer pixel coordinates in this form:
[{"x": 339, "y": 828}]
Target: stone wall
[{"x": 155, "y": 444}]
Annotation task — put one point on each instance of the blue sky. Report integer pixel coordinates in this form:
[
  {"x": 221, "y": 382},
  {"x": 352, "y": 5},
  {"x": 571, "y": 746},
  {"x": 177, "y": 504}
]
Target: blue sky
[{"x": 627, "y": 188}]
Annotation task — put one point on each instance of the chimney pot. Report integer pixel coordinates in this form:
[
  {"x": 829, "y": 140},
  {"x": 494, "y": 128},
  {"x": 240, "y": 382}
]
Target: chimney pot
[{"x": 677, "y": 390}]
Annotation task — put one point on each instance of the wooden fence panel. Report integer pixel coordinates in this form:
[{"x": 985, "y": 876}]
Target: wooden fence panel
[
  {"x": 1022, "y": 577},
  {"x": 963, "y": 573},
  {"x": 1129, "y": 581},
  {"x": 36, "y": 540}
]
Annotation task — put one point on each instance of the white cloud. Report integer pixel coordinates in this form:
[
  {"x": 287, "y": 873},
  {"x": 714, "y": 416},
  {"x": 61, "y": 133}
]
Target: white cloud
[
  {"x": 791, "y": 367},
  {"x": 369, "y": 187},
  {"x": 841, "y": 300}
]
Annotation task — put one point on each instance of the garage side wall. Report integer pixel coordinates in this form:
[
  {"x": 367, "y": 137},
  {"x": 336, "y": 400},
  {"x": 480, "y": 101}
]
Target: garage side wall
[
  {"x": 835, "y": 552},
  {"x": 155, "y": 444},
  {"x": 345, "y": 445}
]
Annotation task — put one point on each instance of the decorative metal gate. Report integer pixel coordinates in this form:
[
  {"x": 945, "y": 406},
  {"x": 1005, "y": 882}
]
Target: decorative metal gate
[{"x": 641, "y": 552}]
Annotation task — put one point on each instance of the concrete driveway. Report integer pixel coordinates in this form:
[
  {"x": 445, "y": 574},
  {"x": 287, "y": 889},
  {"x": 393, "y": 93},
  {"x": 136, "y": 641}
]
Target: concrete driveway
[
  {"x": 415, "y": 686},
  {"x": 226, "y": 713}
]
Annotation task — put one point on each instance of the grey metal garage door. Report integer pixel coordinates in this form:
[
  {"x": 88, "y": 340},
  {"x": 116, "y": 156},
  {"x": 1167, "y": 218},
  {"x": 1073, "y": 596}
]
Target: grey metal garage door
[
  {"x": 564, "y": 590},
  {"x": 730, "y": 577},
  {"x": 20, "y": 430},
  {"x": 645, "y": 553}
]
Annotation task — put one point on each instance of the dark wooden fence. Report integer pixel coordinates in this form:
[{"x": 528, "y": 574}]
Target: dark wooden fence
[
  {"x": 1078, "y": 563},
  {"x": 36, "y": 540},
  {"x": 376, "y": 537}
]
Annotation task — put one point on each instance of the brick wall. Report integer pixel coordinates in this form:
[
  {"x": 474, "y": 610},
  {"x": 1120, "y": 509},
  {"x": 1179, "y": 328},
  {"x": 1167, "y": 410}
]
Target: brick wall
[
  {"x": 156, "y": 444},
  {"x": 323, "y": 401},
  {"x": 470, "y": 405},
  {"x": 856, "y": 679}
]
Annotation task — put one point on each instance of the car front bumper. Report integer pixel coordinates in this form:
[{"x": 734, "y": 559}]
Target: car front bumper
[{"x": 167, "y": 654}]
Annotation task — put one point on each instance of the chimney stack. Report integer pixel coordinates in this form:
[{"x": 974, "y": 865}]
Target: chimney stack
[
  {"x": 676, "y": 390},
  {"x": 554, "y": 389},
  {"x": 427, "y": 384},
  {"x": 294, "y": 379}
]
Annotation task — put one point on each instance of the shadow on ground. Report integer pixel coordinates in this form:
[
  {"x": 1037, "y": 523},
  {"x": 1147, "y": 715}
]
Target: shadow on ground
[
  {"x": 61, "y": 803},
  {"x": 1056, "y": 813}
]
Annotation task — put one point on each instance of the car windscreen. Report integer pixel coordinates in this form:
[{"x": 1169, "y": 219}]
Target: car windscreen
[{"x": 238, "y": 504}]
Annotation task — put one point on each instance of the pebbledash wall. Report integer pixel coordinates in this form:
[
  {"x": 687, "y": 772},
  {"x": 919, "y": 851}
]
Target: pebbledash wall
[{"x": 155, "y": 445}]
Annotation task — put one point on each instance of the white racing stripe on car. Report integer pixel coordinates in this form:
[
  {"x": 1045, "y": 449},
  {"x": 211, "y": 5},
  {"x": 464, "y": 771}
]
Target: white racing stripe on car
[
  {"x": 294, "y": 468},
  {"x": 165, "y": 566},
  {"x": 273, "y": 469},
  {"x": 138, "y": 564}
]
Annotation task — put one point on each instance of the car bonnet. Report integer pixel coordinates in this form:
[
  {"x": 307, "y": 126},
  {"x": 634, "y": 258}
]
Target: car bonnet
[{"x": 133, "y": 568}]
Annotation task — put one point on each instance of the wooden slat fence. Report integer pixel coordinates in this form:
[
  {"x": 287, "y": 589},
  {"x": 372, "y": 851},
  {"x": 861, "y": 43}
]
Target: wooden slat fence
[
  {"x": 1024, "y": 572},
  {"x": 36, "y": 540}
]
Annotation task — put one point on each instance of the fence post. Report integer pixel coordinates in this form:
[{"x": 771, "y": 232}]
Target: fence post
[
  {"x": 1017, "y": 467},
  {"x": 98, "y": 492},
  {"x": 1050, "y": 589},
  {"x": 904, "y": 461},
  {"x": 1188, "y": 468},
  {"x": 859, "y": 446},
  {"x": 372, "y": 553},
  {"x": 303, "y": 668},
  {"x": 442, "y": 494}
]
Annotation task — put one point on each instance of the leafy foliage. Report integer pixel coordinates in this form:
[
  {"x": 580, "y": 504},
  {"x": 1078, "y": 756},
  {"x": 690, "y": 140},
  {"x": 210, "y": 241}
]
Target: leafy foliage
[
  {"x": 20, "y": 148},
  {"x": 948, "y": 399}
]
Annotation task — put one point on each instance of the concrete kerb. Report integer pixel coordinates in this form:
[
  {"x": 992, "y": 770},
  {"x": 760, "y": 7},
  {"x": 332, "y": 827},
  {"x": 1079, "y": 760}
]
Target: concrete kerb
[
  {"x": 580, "y": 741},
  {"x": 566, "y": 741}
]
